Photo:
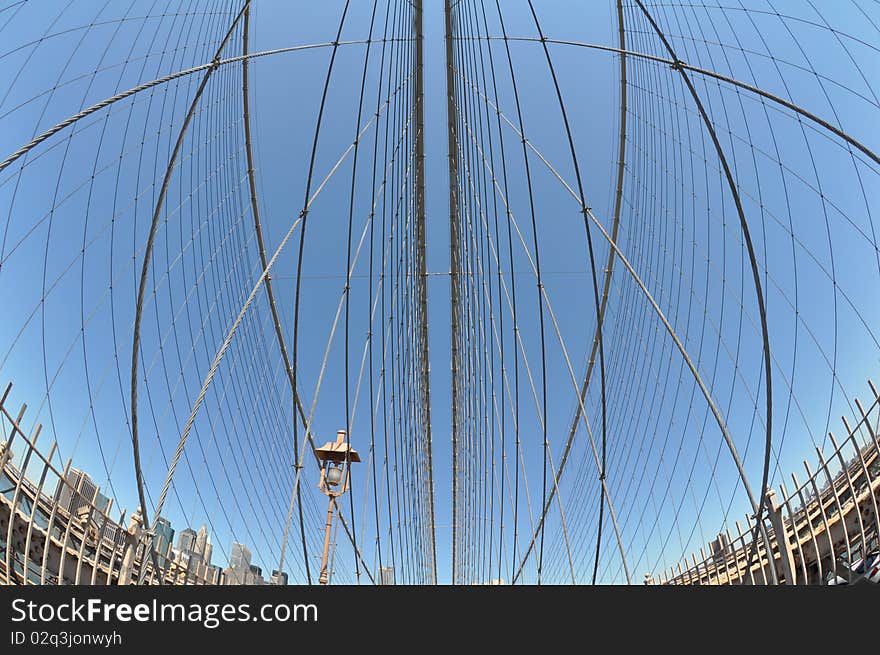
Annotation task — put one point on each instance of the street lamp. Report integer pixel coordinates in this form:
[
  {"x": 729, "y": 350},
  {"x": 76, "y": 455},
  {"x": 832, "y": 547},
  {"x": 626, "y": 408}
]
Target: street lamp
[{"x": 334, "y": 456}]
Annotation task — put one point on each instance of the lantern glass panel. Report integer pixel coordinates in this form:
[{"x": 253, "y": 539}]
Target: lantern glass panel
[{"x": 334, "y": 475}]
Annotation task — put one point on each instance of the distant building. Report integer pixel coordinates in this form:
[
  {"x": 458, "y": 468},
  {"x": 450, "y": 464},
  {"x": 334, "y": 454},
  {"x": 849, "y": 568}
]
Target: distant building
[
  {"x": 238, "y": 576},
  {"x": 186, "y": 541},
  {"x": 190, "y": 566},
  {"x": 190, "y": 560},
  {"x": 114, "y": 533},
  {"x": 214, "y": 575},
  {"x": 235, "y": 576},
  {"x": 209, "y": 549},
  {"x": 240, "y": 557},
  {"x": 241, "y": 571},
  {"x": 78, "y": 491},
  {"x": 201, "y": 540},
  {"x": 164, "y": 537},
  {"x": 278, "y": 578},
  {"x": 386, "y": 575}
]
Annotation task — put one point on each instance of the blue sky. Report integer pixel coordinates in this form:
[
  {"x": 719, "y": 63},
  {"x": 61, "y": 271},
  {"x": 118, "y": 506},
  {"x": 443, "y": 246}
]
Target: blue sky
[{"x": 810, "y": 204}]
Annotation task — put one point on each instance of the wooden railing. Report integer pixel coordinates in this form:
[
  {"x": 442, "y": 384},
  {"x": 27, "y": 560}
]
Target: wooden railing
[
  {"x": 42, "y": 542},
  {"x": 828, "y": 520}
]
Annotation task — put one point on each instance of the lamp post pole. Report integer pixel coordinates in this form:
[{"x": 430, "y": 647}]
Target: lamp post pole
[{"x": 322, "y": 579}]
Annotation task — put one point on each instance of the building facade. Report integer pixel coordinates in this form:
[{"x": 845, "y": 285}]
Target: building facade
[
  {"x": 78, "y": 491},
  {"x": 186, "y": 541},
  {"x": 239, "y": 557},
  {"x": 164, "y": 537}
]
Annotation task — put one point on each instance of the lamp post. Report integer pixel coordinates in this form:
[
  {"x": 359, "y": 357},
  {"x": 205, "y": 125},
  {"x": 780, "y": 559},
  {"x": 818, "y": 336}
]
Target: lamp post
[{"x": 334, "y": 482}]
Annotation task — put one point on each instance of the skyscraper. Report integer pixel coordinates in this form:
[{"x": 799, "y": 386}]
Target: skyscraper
[
  {"x": 163, "y": 539},
  {"x": 209, "y": 548},
  {"x": 186, "y": 541},
  {"x": 240, "y": 557},
  {"x": 201, "y": 540}
]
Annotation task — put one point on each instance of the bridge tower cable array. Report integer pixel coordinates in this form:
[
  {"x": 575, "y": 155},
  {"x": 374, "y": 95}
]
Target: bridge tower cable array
[{"x": 691, "y": 189}]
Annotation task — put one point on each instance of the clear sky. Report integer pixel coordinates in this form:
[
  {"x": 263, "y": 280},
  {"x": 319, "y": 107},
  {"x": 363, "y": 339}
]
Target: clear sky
[{"x": 77, "y": 209}]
